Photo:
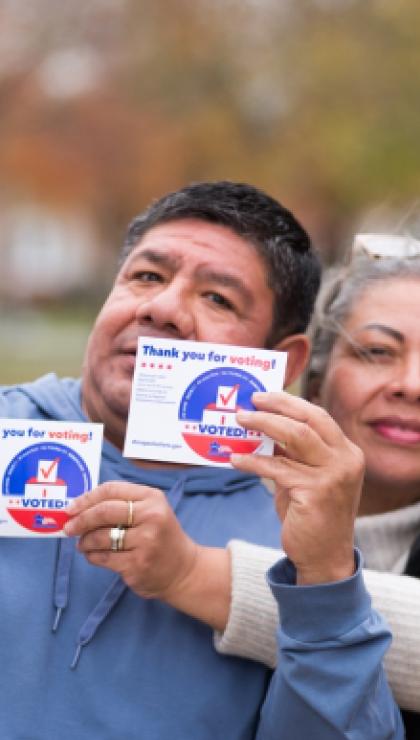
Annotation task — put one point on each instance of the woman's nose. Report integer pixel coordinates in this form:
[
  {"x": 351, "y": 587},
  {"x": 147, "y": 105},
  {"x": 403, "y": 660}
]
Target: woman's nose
[
  {"x": 405, "y": 383},
  {"x": 169, "y": 310}
]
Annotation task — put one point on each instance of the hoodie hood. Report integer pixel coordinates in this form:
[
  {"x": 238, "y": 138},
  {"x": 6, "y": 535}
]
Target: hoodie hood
[{"x": 55, "y": 398}]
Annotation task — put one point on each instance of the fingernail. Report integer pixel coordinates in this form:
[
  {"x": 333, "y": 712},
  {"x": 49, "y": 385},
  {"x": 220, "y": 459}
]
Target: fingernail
[
  {"x": 258, "y": 396},
  {"x": 68, "y": 528},
  {"x": 235, "y": 458},
  {"x": 73, "y": 506},
  {"x": 244, "y": 415}
]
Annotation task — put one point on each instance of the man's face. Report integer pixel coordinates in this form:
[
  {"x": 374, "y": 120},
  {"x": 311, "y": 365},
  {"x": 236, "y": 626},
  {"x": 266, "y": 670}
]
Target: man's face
[{"x": 186, "y": 279}]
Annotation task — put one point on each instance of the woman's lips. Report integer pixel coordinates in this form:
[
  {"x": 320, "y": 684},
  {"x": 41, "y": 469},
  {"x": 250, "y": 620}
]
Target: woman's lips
[{"x": 398, "y": 431}]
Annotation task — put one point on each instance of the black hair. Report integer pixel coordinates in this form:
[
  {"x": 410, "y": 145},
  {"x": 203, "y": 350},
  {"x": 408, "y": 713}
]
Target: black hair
[{"x": 293, "y": 267}]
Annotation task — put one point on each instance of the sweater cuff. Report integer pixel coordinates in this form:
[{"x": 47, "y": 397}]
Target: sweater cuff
[{"x": 319, "y": 612}]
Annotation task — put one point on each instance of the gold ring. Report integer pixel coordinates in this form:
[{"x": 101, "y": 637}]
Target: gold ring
[
  {"x": 114, "y": 536},
  {"x": 120, "y": 544},
  {"x": 130, "y": 514}
]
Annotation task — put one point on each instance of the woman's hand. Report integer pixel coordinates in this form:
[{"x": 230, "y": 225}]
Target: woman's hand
[{"x": 318, "y": 476}]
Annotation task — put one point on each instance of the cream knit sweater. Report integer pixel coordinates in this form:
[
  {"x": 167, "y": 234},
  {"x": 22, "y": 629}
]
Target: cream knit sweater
[{"x": 384, "y": 540}]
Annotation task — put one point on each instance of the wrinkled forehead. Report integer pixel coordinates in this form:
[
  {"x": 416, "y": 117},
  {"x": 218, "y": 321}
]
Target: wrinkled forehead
[
  {"x": 384, "y": 296},
  {"x": 178, "y": 240}
]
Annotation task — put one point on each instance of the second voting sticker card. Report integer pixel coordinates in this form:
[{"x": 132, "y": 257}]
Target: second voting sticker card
[
  {"x": 43, "y": 466},
  {"x": 185, "y": 397}
]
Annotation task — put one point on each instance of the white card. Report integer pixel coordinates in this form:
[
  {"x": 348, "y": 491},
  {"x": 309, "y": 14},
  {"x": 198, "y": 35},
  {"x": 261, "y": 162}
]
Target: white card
[
  {"x": 43, "y": 466},
  {"x": 185, "y": 396}
]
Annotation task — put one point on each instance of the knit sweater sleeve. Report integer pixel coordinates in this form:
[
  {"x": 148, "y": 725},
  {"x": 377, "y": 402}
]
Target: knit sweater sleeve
[
  {"x": 253, "y": 619},
  {"x": 397, "y": 598}
]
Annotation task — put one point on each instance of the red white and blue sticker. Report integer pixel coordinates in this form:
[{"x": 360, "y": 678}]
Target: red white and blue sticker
[
  {"x": 38, "y": 480},
  {"x": 208, "y": 411},
  {"x": 186, "y": 395}
]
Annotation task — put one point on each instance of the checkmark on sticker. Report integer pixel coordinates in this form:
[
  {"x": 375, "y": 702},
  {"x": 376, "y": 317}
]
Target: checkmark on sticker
[
  {"x": 47, "y": 470},
  {"x": 226, "y": 396}
]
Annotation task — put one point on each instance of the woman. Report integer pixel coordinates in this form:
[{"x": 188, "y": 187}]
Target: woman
[{"x": 365, "y": 371}]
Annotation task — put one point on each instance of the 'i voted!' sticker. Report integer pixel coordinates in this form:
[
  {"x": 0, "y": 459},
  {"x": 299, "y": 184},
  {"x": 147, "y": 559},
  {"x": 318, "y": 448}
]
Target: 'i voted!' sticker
[{"x": 40, "y": 474}]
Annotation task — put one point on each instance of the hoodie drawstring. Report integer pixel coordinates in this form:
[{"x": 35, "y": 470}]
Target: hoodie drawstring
[
  {"x": 175, "y": 493},
  {"x": 61, "y": 593},
  {"x": 111, "y": 596},
  {"x": 110, "y": 599}
]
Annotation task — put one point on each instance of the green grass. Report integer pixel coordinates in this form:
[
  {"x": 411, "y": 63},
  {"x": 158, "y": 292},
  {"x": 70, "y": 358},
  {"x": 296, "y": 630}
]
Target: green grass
[{"x": 33, "y": 343}]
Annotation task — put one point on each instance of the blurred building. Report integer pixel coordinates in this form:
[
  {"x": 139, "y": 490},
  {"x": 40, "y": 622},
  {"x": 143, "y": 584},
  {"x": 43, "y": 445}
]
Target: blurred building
[{"x": 46, "y": 254}]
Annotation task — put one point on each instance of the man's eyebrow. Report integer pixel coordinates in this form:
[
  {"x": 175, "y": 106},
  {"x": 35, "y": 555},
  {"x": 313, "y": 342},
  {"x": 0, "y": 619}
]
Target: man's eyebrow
[
  {"x": 386, "y": 330},
  {"x": 225, "y": 280},
  {"x": 157, "y": 258},
  {"x": 202, "y": 273}
]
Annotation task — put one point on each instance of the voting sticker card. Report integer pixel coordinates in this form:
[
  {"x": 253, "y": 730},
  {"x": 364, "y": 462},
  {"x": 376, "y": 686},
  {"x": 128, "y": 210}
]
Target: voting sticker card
[
  {"x": 185, "y": 397},
  {"x": 43, "y": 466}
]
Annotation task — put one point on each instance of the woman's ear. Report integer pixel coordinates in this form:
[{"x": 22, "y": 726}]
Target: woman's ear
[{"x": 298, "y": 348}]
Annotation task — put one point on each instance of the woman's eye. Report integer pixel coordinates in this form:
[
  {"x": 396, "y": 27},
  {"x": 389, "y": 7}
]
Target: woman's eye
[
  {"x": 376, "y": 352},
  {"x": 220, "y": 300}
]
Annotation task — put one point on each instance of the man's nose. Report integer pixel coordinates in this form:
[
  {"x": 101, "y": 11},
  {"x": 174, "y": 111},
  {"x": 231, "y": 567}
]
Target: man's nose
[
  {"x": 169, "y": 310},
  {"x": 405, "y": 382}
]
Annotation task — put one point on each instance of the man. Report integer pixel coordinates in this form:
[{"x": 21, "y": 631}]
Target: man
[{"x": 218, "y": 262}]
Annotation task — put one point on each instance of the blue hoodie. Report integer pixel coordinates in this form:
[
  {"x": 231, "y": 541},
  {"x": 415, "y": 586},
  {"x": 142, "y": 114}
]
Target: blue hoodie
[{"x": 84, "y": 658}]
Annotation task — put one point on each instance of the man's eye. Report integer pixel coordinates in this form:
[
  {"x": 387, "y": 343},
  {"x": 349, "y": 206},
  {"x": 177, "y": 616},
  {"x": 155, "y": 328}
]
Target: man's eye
[
  {"x": 220, "y": 300},
  {"x": 147, "y": 276}
]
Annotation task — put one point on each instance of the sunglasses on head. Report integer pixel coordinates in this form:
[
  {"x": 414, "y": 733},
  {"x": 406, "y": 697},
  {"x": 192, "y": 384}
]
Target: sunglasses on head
[{"x": 382, "y": 246}]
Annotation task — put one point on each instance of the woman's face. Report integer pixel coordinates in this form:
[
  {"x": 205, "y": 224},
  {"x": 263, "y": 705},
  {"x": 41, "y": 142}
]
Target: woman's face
[{"x": 372, "y": 389}]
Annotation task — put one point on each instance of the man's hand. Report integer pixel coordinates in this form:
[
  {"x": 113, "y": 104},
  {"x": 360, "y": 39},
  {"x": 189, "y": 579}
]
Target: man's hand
[
  {"x": 159, "y": 559},
  {"x": 318, "y": 476},
  {"x": 157, "y": 555}
]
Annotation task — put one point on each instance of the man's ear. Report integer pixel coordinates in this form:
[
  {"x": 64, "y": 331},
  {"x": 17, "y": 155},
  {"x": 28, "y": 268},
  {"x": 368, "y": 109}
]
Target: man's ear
[{"x": 298, "y": 348}]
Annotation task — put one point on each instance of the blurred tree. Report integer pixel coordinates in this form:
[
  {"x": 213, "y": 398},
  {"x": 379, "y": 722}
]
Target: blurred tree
[
  {"x": 315, "y": 101},
  {"x": 107, "y": 104}
]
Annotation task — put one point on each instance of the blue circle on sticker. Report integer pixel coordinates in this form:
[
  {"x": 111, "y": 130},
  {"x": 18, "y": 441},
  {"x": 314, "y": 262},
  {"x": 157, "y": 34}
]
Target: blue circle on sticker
[
  {"x": 205, "y": 392},
  {"x": 47, "y": 465},
  {"x": 208, "y": 414}
]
